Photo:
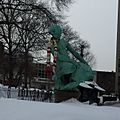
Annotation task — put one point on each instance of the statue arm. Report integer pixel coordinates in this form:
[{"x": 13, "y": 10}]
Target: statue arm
[{"x": 76, "y": 54}]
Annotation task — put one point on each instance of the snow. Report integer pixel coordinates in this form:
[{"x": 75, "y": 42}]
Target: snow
[
  {"x": 85, "y": 85},
  {"x": 99, "y": 88},
  {"x": 13, "y": 109}
]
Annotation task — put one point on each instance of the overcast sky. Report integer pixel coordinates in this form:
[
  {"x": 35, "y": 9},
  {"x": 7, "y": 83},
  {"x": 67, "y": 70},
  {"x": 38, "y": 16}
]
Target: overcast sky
[{"x": 96, "y": 22}]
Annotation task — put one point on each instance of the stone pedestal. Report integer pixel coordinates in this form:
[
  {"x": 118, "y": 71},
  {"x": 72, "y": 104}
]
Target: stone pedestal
[{"x": 62, "y": 95}]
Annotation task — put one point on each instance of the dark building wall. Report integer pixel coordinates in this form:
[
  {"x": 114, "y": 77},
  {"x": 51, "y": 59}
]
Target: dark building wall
[{"x": 106, "y": 80}]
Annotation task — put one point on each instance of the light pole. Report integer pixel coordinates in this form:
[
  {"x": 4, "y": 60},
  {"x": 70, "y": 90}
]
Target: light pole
[{"x": 117, "y": 79}]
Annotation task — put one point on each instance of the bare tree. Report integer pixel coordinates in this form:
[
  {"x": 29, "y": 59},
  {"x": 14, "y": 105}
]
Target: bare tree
[
  {"x": 9, "y": 17},
  {"x": 69, "y": 33},
  {"x": 60, "y": 5},
  {"x": 33, "y": 32},
  {"x": 22, "y": 16},
  {"x": 24, "y": 29},
  {"x": 83, "y": 48}
]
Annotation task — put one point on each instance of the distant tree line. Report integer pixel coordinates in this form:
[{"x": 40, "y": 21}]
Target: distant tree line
[{"x": 24, "y": 29}]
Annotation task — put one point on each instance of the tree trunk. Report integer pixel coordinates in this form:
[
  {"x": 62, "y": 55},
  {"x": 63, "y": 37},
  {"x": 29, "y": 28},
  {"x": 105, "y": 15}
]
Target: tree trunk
[{"x": 26, "y": 70}]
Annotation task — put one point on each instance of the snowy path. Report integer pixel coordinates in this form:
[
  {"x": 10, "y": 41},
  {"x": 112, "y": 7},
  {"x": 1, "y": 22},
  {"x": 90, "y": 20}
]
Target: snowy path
[{"x": 11, "y": 109}]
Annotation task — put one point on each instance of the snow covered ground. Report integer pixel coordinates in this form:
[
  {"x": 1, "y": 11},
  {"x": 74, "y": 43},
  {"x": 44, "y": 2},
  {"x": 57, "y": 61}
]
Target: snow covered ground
[{"x": 12, "y": 109}]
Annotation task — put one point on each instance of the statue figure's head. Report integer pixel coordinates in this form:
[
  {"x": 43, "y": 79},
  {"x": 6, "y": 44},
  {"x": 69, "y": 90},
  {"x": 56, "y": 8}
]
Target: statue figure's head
[{"x": 55, "y": 30}]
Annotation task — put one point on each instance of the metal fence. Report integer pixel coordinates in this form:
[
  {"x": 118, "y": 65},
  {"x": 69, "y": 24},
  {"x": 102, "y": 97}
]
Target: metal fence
[{"x": 31, "y": 94}]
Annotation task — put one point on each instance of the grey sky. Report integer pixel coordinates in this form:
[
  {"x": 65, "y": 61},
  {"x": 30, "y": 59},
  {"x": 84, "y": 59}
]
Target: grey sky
[{"x": 96, "y": 21}]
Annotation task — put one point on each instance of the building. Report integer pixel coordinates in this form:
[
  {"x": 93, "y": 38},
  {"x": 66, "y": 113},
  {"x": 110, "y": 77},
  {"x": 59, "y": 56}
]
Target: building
[
  {"x": 43, "y": 77},
  {"x": 106, "y": 80}
]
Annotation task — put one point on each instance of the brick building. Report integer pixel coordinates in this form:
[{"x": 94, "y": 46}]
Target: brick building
[
  {"x": 106, "y": 80},
  {"x": 43, "y": 77}
]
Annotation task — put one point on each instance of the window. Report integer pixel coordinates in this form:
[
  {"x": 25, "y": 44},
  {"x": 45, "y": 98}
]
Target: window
[{"x": 41, "y": 73}]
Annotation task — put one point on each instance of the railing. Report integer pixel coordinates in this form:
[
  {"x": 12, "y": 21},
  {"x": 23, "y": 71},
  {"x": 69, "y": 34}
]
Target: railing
[{"x": 27, "y": 94}]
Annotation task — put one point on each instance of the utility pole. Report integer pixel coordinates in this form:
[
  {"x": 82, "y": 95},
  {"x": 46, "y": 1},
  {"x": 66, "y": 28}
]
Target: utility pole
[{"x": 117, "y": 79}]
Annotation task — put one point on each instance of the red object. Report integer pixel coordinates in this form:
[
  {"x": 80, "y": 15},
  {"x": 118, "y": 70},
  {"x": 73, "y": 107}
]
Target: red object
[{"x": 48, "y": 70}]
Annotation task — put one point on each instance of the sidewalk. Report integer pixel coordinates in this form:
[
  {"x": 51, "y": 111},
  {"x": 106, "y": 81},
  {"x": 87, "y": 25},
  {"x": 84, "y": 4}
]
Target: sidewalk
[{"x": 112, "y": 104}]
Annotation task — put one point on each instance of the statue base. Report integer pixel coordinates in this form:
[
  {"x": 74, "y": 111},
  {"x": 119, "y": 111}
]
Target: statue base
[{"x": 62, "y": 95}]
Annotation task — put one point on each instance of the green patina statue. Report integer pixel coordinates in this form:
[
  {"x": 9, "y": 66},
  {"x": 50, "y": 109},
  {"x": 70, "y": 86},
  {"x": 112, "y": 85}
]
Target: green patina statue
[{"x": 69, "y": 73}]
